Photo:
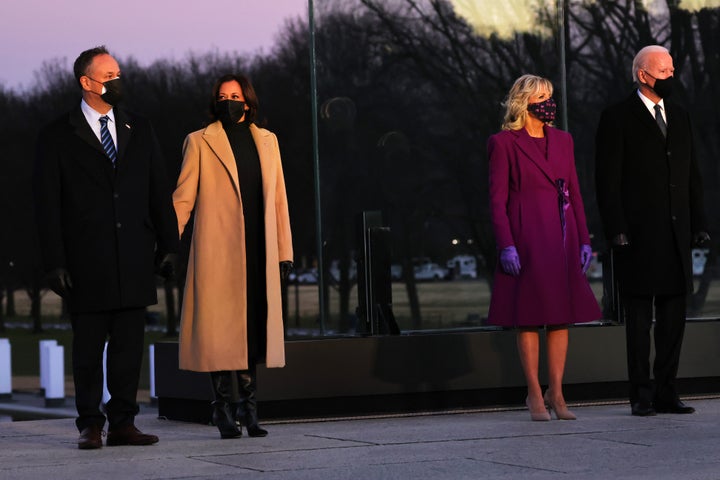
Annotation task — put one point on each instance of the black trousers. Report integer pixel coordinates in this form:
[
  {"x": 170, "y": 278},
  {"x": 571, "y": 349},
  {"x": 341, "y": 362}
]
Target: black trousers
[
  {"x": 124, "y": 331},
  {"x": 668, "y": 335}
]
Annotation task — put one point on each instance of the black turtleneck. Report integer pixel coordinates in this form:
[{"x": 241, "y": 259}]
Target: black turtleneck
[{"x": 249, "y": 173}]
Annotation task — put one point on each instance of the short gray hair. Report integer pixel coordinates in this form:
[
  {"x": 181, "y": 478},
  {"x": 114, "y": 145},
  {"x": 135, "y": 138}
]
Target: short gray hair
[{"x": 640, "y": 60}]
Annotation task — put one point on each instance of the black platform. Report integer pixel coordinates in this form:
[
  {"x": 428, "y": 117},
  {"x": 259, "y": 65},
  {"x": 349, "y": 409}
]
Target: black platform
[{"x": 430, "y": 371}]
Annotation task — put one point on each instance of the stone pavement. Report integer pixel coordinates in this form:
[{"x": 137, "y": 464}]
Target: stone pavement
[{"x": 606, "y": 442}]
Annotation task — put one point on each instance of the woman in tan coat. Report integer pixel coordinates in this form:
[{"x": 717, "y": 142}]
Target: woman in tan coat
[{"x": 232, "y": 311}]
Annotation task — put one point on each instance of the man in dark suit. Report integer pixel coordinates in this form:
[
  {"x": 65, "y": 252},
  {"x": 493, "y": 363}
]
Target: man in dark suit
[
  {"x": 106, "y": 222},
  {"x": 651, "y": 202}
]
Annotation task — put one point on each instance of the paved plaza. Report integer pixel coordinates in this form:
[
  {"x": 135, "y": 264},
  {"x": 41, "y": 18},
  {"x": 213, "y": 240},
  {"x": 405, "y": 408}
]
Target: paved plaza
[{"x": 606, "y": 442}]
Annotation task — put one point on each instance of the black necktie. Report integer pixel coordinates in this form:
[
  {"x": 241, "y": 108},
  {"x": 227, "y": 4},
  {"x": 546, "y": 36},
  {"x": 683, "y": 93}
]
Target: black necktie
[
  {"x": 106, "y": 139},
  {"x": 660, "y": 120}
]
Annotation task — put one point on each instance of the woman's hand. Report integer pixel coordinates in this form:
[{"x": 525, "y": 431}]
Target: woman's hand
[
  {"x": 585, "y": 257},
  {"x": 510, "y": 261}
]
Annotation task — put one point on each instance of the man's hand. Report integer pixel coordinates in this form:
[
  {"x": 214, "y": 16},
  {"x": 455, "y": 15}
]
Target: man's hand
[
  {"x": 165, "y": 265},
  {"x": 59, "y": 281},
  {"x": 700, "y": 239}
]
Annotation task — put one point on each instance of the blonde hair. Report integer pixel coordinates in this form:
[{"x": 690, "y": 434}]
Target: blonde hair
[{"x": 516, "y": 101}]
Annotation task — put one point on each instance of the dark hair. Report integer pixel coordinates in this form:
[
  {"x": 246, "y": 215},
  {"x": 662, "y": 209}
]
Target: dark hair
[
  {"x": 83, "y": 62},
  {"x": 248, "y": 91}
]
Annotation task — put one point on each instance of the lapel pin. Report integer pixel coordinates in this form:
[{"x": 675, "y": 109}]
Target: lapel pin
[{"x": 127, "y": 126}]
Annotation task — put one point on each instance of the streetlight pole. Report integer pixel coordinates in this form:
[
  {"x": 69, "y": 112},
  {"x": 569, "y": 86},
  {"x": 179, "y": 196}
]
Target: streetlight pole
[
  {"x": 563, "y": 70},
  {"x": 316, "y": 167}
]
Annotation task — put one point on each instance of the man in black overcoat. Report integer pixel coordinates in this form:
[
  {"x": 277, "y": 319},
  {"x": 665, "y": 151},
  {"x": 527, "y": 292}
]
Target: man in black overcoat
[
  {"x": 106, "y": 223},
  {"x": 650, "y": 198}
]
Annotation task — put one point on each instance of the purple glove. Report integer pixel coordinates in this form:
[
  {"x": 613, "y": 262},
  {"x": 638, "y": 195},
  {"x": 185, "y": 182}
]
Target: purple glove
[
  {"x": 510, "y": 261},
  {"x": 585, "y": 257}
]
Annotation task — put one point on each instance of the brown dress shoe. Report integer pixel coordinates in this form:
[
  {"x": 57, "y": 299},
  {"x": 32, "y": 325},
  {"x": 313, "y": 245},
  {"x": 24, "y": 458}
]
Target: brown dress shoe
[
  {"x": 90, "y": 438},
  {"x": 129, "y": 435}
]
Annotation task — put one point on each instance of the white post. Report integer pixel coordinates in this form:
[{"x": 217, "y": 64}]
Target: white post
[
  {"x": 5, "y": 369},
  {"x": 43, "y": 362},
  {"x": 151, "y": 359},
  {"x": 55, "y": 387},
  {"x": 106, "y": 392}
]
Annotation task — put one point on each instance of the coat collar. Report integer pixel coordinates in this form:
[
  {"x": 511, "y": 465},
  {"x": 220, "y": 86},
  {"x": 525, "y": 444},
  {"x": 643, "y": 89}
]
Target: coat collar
[
  {"x": 217, "y": 140},
  {"x": 83, "y": 130},
  {"x": 102, "y": 171},
  {"x": 526, "y": 144},
  {"x": 640, "y": 111},
  {"x": 123, "y": 128}
]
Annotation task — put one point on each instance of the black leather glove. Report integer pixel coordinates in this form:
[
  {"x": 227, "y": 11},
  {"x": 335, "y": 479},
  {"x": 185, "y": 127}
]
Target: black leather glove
[
  {"x": 700, "y": 239},
  {"x": 620, "y": 240},
  {"x": 59, "y": 281},
  {"x": 286, "y": 267},
  {"x": 165, "y": 265}
]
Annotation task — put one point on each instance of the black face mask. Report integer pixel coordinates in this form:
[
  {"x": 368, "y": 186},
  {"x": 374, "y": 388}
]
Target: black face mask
[
  {"x": 112, "y": 91},
  {"x": 543, "y": 111},
  {"x": 663, "y": 86},
  {"x": 229, "y": 111}
]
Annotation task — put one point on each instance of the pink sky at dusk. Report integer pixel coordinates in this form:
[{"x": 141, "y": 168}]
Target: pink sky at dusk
[{"x": 32, "y": 31}]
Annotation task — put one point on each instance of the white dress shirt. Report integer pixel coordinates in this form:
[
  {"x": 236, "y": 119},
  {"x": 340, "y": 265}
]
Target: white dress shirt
[
  {"x": 651, "y": 106},
  {"x": 93, "y": 118}
]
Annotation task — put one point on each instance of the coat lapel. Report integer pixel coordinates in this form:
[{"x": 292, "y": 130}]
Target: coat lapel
[
  {"x": 123, "y": 128},
  {"x": 263, "y": 144},
  {"x": 218, "y": 142},
  {"x": 83, "y": 130},
  {"x": 98, "y": 167},
  {"x": 526, "y": 145},
  {"x": 645, "y": 118}
]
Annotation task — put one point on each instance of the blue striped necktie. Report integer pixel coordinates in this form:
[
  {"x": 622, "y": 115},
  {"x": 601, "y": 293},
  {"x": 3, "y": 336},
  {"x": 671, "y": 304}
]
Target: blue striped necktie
[{"x": 107, "y": 141}]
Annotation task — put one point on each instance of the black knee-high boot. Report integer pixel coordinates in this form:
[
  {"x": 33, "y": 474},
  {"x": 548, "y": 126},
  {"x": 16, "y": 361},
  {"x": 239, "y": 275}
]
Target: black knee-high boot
[
  {"x": 222, "y": 415},
  {"x": 246, "y": 408}
]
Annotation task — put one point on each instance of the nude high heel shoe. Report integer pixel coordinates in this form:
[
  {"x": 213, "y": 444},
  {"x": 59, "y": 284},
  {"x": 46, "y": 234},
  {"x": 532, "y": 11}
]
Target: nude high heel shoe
[
  {"x": 537, "y": 416},
  {"x": 561, "y": 410}
]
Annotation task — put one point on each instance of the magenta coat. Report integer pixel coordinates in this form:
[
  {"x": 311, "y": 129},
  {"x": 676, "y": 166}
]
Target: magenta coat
[{"x": 551, "y": 288}]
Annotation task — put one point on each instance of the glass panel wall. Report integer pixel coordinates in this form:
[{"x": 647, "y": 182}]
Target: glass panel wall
[{"x": 408, "y": 93}]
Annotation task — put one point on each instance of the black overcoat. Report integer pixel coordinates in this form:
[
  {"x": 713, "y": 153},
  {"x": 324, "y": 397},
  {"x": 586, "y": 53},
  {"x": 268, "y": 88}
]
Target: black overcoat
[
  {"x": 101, "y": 223},
  {"x": 649, "y": 188}
]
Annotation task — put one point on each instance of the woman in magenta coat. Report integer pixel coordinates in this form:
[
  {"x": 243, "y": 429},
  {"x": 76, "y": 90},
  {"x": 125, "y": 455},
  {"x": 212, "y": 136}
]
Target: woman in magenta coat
[{"x": 542, "y": 238}]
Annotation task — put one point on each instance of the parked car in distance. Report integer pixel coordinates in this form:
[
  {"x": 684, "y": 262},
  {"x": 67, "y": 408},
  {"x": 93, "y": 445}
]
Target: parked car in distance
[
  {"x": 430, "y": 271},
  {"x": 396, "y": 272},
  {"x": 463, "y": 266},
  {"x": 699, "y": 260},
  {"x": 308, "y": 275},
  {"x": 335, "y": 270}
]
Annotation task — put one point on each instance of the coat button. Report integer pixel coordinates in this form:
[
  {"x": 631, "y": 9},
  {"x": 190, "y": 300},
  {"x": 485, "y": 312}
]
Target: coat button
[
  {"x": 673, "y": 217},
  {"x": 116, "y": 195},
  {"x": 118, "y": 224}
]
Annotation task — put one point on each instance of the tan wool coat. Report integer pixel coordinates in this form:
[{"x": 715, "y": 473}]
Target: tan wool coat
[{"x": 213, "y": 328}]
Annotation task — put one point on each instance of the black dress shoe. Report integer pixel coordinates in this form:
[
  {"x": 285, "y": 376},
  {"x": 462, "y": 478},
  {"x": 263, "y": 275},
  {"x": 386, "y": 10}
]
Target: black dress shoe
[
  {"x": 129, "y": 435},
  {"x": 673, "y": 407},
  {"x": 90, "y": 438},
  {"x": 642, "y": 409}
]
